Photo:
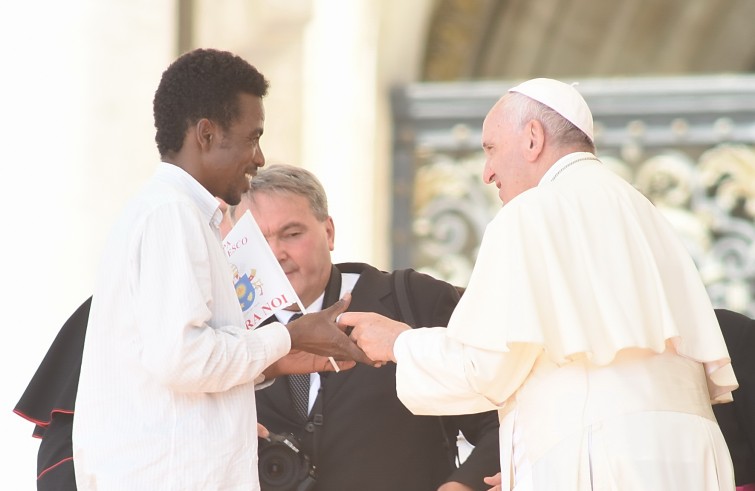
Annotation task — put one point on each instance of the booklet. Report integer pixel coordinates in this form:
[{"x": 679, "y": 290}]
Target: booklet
[{"x": 261, "y": 285}]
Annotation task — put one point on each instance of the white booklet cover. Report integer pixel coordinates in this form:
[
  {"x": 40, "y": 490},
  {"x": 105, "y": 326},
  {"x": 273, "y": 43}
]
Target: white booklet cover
[{"x": 261, "y": 285}]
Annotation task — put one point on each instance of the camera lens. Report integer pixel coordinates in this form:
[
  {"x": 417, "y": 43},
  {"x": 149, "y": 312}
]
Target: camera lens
[
  {"x": 281, "y": 466},
  {"x": 274, "y": 470}
]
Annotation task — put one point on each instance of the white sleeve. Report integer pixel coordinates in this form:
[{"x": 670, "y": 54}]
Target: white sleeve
[
  {"x": 174, "y": 294},
  {"x": 438, "y": 375}
]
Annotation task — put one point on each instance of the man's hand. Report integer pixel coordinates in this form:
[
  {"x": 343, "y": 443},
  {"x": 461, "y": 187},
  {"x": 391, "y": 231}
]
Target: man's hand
[
  {"x": 318, "y": 333},
  {"x": 302, "y": 362},
  {"x": 454, "y": 486},
  {"x": 374, "y": 333},
  {"x": 262, "y": 432},
  {"x": 494, "y": 481}
]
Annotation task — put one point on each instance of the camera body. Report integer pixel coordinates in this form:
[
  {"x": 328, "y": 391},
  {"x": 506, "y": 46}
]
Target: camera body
[{"x": 283, "y": 466}]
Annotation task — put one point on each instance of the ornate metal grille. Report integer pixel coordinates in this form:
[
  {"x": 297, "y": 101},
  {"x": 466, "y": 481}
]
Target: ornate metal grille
[{"x": 686, "y": 143}]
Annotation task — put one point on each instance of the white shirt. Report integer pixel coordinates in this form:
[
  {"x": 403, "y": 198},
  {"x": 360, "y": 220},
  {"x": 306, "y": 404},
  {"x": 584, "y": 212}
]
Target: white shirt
[{"x": 166, "y": 394}]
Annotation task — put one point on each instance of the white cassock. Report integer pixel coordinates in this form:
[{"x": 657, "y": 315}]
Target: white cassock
[{"x": 586, "y": 324}]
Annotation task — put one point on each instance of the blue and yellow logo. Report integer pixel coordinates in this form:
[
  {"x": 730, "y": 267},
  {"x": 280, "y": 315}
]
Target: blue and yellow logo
[{"x": 246, "y": 292}]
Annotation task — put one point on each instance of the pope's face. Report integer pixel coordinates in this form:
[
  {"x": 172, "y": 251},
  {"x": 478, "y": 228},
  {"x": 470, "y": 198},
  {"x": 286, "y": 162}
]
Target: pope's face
[
  {"x": 300, "y": 241},
  {"x": 504, "y": 164}
]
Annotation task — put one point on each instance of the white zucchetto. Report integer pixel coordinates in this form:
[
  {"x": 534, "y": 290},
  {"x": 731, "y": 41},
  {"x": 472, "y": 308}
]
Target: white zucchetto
[{"x": 562, "y": 98}]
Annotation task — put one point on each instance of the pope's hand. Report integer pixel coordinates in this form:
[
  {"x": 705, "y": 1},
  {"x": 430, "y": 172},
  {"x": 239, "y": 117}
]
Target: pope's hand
[{"x": 373, "y": 333}]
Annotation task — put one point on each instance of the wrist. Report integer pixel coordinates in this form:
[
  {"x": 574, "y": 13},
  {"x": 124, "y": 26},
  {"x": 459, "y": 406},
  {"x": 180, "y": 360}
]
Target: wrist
[
  {"x": 395, "y": 343},
  {"x": 294, "y": 335}
]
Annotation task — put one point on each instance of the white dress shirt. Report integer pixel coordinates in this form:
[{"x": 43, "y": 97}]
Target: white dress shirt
[{"x": 166, "y": 394}]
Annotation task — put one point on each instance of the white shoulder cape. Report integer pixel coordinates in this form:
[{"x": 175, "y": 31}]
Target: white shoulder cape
[{"x": 586, "y": 265}]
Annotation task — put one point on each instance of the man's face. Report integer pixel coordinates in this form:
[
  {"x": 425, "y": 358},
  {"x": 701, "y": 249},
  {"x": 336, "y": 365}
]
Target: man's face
[
  {"x": 236, "y": 155},
  {"x": 504, "y": 164},
  {"x": 300, "y": 241}
]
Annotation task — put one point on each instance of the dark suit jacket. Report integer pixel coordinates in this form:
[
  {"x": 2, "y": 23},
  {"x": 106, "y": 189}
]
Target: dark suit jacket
[
  {"x": 737, "y": 419},
  {"x": 368, "y": 440}
]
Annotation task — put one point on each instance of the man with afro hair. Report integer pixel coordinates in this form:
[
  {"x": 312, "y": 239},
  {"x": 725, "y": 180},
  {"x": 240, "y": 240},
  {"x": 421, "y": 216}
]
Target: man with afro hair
[{"x": 166, "y": 392}]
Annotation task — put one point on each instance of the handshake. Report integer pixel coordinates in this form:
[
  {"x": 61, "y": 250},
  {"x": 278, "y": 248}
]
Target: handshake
[{"x": 317, "y": 336}]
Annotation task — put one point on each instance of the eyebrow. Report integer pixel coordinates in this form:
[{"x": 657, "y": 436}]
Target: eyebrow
[
  {"x": 283, "y": 229},
  {"x": 289, "y": 226}
]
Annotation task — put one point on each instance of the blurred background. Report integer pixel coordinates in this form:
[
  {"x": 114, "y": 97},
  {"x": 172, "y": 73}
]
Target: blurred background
[{"x": 383, "y": 100}]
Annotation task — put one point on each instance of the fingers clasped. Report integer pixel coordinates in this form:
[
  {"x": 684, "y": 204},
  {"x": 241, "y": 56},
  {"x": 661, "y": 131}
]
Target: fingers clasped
[
  {"x": 373, "y": 333},
  {"x": 319, "y": 333}
]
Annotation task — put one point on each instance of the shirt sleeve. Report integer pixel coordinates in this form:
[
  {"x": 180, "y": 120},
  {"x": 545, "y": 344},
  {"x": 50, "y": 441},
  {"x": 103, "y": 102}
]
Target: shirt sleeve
[
  {"x": 439, "y": 375},
  {"x": 175, "y": 299}
]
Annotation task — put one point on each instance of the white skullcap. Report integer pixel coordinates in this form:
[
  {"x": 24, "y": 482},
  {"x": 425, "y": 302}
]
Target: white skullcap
[{"x": 562, "y": 98}]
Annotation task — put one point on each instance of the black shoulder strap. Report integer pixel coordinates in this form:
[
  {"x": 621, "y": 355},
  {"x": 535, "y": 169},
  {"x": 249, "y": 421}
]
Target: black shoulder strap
[
  {"x": 401, "y": 290},
  {"x": 400, "y": 287},
  {"x": 310, "y": 438}
]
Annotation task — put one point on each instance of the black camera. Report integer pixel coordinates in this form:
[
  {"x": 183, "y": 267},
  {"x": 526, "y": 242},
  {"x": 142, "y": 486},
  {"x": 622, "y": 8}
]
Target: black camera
[{"x": 283, "y": 466}]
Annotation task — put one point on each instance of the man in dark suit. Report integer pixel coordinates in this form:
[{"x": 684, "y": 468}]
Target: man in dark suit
[
  {"x": 737, "y": 419},
  {"x": 351, "y": 424}
]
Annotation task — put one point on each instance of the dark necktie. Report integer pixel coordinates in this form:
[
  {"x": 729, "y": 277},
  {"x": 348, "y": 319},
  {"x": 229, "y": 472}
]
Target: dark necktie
[{"x": 299, "y": 387}]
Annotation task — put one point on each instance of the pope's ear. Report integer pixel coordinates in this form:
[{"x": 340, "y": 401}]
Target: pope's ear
[{"x": 534, "y": 139}]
